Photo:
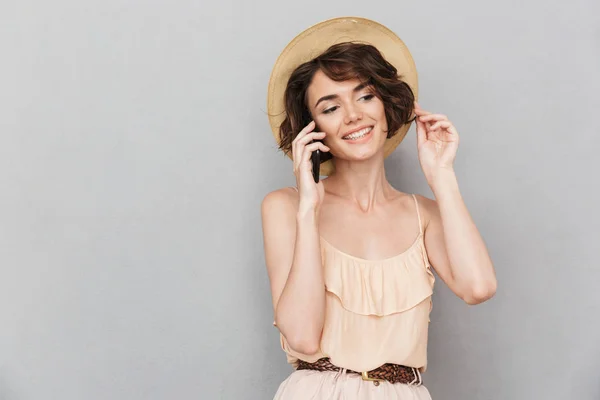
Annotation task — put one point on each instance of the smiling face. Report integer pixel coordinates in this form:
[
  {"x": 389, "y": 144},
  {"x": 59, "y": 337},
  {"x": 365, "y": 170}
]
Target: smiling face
[
  {"x": 335, "y": 76},
  {"x": 350, "y": 114}
]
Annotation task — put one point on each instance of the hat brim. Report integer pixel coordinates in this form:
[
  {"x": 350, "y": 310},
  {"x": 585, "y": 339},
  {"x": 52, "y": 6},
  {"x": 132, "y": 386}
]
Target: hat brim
[{"x": 318, "y": 38}]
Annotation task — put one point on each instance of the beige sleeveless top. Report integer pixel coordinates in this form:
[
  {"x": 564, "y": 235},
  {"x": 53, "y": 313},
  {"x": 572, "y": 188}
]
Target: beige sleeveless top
[{"x": 377, "y": 311}]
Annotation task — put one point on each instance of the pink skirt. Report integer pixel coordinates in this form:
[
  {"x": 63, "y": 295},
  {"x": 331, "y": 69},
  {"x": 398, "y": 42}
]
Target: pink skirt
[{"x": 341, "y": 385}]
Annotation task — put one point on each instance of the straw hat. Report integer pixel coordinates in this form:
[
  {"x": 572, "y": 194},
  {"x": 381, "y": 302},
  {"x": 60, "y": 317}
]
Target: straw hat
[{"x": 318, "y": 38}]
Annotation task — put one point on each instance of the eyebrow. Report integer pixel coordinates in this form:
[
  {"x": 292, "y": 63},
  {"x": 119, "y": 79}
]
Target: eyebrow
[{"x": 335, "y": 96}]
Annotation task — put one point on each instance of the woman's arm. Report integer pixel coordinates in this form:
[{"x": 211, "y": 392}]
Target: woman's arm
[
  {"x": 293, "y": 258},
  {"x": 454, "y": 246}
]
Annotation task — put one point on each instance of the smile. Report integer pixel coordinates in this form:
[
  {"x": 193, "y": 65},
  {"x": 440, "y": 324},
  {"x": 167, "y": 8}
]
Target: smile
[{"x": 359, "y": 134}]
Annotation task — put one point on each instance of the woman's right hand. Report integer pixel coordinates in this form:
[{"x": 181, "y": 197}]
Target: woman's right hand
[{"x": 311, "y": 193}]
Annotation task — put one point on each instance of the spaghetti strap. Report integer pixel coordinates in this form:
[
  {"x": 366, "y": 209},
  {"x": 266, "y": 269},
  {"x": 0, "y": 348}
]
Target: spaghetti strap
[
  {"x": 294, "y": 187},
  {"x": 418, "y": 214}
]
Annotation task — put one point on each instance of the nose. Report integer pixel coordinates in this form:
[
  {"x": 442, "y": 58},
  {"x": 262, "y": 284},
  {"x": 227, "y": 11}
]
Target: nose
[{"x": 353, "y": 114}]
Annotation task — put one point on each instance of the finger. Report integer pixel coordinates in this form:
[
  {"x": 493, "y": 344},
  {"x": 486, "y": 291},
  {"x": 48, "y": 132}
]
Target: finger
[
  {"x": 421, "y": 133},
  {"x": 434, "y": 117},
  {"x": 416, "y": 109},
  {"x": 309, "y": 137},
  {"x": 441, "y": 124},
  {"x": 419, "y": 110},
  {"x": 309, "y": 127},
  {"x": 304, "y": 131},
  {"x": 302, "y": 150},
  {"x": 306, "y": 155},
  {"x": 298, "y": 143},
  {"x": 308, "y": 150},
  {"x": 312, "y": 147}
]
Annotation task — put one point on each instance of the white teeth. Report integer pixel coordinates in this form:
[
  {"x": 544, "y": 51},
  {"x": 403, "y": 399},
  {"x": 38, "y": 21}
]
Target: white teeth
[{"x": 359, "y": 134}]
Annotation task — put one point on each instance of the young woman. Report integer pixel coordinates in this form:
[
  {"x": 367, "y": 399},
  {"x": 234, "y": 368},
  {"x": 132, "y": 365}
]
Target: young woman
[{"x": 350, "y": 258}]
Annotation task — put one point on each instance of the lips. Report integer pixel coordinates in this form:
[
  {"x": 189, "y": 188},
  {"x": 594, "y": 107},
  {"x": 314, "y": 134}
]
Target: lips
[{"x": 358, "y": 133}]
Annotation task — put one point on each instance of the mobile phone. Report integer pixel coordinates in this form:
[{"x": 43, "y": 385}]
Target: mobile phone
[{"x": 315, "y": 157}]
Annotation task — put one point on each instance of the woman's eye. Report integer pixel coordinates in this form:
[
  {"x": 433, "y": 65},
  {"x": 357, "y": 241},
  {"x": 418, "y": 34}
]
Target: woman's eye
[
  {"x": 368, "y": 97},
  {"x": 330, "y": 110}
]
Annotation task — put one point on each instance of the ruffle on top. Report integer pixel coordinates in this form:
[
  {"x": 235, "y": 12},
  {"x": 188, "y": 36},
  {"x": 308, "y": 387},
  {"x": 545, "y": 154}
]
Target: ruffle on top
[
  {"x": 379, "y": 287},
  {"x": 376, "y": 311}
]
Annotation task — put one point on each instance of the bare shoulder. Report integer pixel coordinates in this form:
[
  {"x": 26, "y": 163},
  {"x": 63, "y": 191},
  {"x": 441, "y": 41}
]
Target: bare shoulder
[
  {"x": 278, "y": 210},
  {"x": 428, "y": 208},
  {"x": 280, "y": 200},
  {"x": 406, "y": 199}
]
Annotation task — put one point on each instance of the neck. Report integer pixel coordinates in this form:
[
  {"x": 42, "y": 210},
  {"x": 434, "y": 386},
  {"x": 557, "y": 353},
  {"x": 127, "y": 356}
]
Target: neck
[{"x": 361, "y": 182}]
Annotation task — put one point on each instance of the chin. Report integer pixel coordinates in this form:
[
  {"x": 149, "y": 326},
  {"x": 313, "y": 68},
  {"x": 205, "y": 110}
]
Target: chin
[{"x": 365, "y": 153}]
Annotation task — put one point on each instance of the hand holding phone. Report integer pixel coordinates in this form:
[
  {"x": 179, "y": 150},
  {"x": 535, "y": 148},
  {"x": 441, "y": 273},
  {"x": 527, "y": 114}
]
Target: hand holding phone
[{"x": 306, "y": 153}]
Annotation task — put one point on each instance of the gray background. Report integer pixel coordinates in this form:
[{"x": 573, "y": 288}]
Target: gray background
[{"x": 136, "y": 151}]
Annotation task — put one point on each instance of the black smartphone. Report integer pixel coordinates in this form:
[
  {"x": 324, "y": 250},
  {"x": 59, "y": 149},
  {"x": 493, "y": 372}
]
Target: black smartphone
[{"x": 315, "y": 157}]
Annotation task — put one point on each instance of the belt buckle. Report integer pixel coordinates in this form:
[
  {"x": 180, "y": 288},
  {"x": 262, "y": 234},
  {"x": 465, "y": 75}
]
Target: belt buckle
[
  {"x": 366, "y": 377},
  {"x": 418, "y": 381}
]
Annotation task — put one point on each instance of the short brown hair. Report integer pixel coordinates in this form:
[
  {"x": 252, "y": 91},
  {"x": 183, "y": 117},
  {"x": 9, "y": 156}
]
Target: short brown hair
[{"x": 340, "y": 62}]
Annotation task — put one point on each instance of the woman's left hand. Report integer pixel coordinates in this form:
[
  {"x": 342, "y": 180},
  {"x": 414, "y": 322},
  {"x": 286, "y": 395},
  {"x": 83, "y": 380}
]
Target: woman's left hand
[{"x": 437, "y": 142}]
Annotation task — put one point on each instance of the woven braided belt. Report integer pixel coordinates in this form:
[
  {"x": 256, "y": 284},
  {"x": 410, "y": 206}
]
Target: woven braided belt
[{"x": 392, "y": 373}]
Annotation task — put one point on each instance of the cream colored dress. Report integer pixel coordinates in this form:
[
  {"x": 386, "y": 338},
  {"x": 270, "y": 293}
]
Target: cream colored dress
[{"x": 377, "y": 312}]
